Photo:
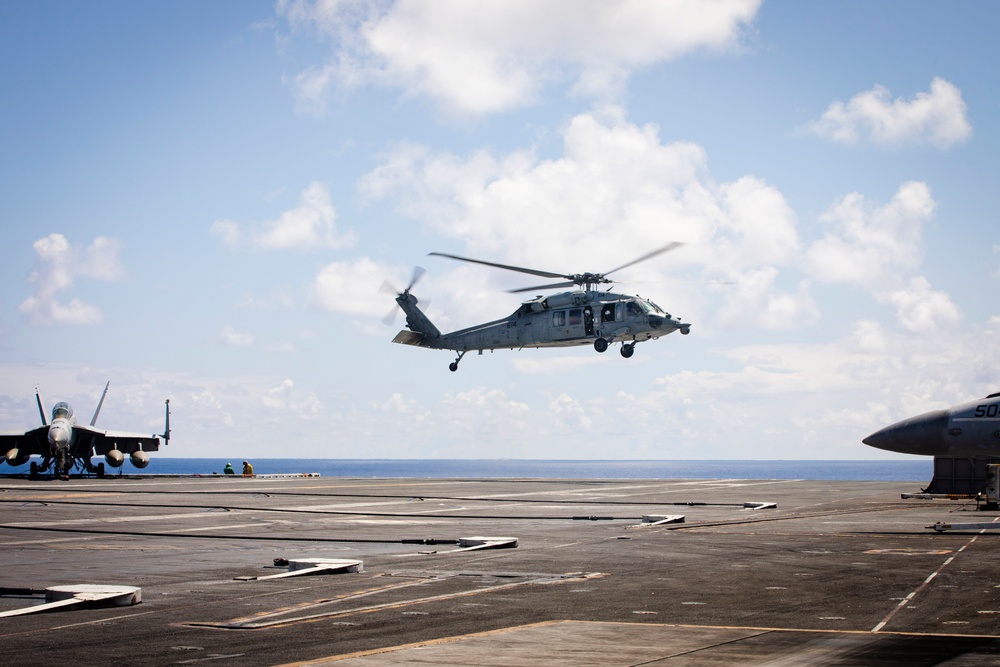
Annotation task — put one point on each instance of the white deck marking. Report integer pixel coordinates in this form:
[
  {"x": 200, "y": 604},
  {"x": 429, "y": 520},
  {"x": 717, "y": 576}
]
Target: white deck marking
[{"x": 905, "y": 601}]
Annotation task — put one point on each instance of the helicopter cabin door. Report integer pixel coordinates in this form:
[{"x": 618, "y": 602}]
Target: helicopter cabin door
[{"x": 569, "y": 323}]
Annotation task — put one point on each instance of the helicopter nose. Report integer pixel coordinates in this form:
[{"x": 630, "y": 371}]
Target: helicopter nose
[{"x": 656, "y": 321}]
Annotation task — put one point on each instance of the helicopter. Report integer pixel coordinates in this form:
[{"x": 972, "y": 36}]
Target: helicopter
[{"x": 583, "y": 316}]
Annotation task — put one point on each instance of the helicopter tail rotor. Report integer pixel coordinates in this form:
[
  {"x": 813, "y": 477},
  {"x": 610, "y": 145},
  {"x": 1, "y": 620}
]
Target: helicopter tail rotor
[{"x": 389, "y": 288}]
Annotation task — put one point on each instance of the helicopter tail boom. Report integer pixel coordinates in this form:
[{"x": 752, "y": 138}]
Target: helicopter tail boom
[{"x": 421, "y": 329}]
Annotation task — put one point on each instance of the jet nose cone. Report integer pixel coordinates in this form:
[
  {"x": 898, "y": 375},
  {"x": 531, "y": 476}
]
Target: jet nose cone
[
  {"x": 880, "y": 439},
  {"x": 923, "y": 435}
]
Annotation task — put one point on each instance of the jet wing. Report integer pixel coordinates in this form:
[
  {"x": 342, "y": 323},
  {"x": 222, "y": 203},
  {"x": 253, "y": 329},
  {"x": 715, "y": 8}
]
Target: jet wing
[
  {"x": 104, "y": 441},
  {"x": 35, "y": 441}
]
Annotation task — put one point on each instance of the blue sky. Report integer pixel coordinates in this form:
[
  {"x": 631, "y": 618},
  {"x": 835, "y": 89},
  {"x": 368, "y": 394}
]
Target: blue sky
[{"x": 201, "y": 200}]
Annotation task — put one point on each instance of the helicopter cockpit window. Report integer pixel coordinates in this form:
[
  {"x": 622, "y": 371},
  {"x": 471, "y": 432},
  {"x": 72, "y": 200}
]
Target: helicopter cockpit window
[
  {"x": 62, "y": 411},
  {"x": 608, "y": 312},
  {"x": 633, "y": 308}
]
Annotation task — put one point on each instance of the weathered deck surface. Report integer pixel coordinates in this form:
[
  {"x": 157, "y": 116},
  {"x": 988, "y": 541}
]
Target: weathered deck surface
[{"x": 839, "y": 573}]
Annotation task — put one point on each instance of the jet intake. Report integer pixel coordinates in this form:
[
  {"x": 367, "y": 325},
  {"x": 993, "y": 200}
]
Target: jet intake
[
  {"x": 16, "y": 458},
  {"x": 114, "y": 458},
  {"x": 139, "y": 459}
]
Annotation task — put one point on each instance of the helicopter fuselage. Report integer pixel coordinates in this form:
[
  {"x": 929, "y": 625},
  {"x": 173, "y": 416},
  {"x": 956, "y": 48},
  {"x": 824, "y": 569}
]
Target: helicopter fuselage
[
  {"x": 584, "y": 316},
  {"x": 561, "y": 320},
  {"x": 567, "y": 319}
]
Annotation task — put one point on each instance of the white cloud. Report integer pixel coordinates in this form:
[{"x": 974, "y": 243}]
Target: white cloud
[
  {"x": 817, "y": 387},
  {"x": 869, "y": 336},
  {"x": 879, "y": 248},
  {"x": 869, "y": 245},
  {"x": 310, "y": 225},
  {"x": 100, "y": 260},
  {"x": 763, "y": 401},
  {"x": 754, "y": 301},
  {"x": 229, "y": 232},
  {"x": 937, "y": 118},
  {"x": 276, "y": 397},
  {"x": 230, "y": 336},
  {"x": 57, "y": 265},
  {"x": 566, "y": 407},
  {"x": 495, "y": 55},
  {"x": 353, "y": 287},
  {"x": 543, "y": 362},
  {"x": 919, "y": 308},
  {"x": 616, "y": 192}
]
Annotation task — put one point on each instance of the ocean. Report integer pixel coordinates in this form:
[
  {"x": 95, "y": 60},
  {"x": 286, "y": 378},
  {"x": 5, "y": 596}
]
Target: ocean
[{"x": 920, "y": 470}]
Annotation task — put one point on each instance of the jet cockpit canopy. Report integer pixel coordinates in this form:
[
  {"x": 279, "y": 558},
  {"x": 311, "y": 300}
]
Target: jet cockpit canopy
[{"x": 62, "y": 410}]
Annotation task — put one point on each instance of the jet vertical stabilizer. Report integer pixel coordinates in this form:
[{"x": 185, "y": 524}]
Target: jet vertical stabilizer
[
  {"x": 100, "y": 403},
  {"x": 166, "y": 425},
  {"x": 41, "y": 410}
]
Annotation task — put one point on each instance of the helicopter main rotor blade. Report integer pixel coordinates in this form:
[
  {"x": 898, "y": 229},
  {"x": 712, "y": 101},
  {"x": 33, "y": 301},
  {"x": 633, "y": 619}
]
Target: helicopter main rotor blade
[
  {"x": 542, "y": 287},
  {"x": 649, "y": 255},
  {"x": 519, "y": 269}
]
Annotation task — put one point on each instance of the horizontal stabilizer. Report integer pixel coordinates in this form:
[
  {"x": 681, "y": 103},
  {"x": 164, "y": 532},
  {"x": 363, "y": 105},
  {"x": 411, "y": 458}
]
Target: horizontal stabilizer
[{"x": 405, "y": 337}]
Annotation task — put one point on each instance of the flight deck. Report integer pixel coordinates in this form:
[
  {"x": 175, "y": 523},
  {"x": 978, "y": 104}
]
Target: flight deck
[{"x": 318, "y": 570}]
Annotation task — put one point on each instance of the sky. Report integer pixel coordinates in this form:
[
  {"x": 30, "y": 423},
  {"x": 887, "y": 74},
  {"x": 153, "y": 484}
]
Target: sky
[{"x": 201, "y": 200}]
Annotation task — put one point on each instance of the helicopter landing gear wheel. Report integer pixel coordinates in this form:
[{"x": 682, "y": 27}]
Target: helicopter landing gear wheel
[
  {"x": 601, "y": 345},
  {"x": 628, "y": 350},
  {"x": 453, "y": 366}
]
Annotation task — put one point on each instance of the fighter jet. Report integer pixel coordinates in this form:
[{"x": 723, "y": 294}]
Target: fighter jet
[
  {"x": 64, "y": 444},
  {"x": 969, "y": 429}
]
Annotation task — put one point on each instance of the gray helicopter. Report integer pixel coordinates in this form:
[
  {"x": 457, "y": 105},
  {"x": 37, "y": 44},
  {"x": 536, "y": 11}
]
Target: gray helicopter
[{"x": 583, "y": 316}]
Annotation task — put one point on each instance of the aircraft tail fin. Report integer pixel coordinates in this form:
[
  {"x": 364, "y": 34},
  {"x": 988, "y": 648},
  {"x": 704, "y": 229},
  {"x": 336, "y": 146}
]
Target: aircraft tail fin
[
  {"x": 100, "y": 403},
  {"x": 166, "y": 425},
  {"x": 421, "y": 330},
  {"x": 416, "y": 321},
  {"x": 41, "y": 410}
]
